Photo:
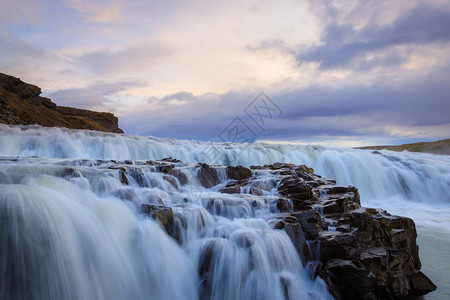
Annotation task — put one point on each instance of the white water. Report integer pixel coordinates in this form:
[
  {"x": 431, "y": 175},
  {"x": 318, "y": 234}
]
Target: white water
[{"x": 410, "y": 184}]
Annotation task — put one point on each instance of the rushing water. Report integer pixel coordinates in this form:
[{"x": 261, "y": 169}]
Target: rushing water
[{"x": 92, "y": 245}]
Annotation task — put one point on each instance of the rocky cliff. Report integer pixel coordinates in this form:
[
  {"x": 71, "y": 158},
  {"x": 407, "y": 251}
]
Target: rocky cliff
[
  {"x": 21, "y": 104},
  {"x": 360, "y": 253}
]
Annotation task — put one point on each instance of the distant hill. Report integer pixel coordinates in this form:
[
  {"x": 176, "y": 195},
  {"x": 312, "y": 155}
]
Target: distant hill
[
  {"x": 21, "y": 104},
  {"x": 438, "y": 147}
]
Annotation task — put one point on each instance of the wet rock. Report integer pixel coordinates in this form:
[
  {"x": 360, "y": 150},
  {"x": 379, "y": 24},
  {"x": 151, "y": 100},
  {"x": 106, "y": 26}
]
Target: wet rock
[
  {"x": 238, "y": 172},
  {"x": 123, "y": 177},
  {"x": 256, "y": 191},
  {"x": 177, "y": 173},
  {"x": 306, "y": 173},
  {"x": 171, "y": 160},
  {"x": 70, "y": 173},
  {"x": 206, "y": 269},
  {"x": 207, "y": 176},
  {"x": 122, "y": 173},
  {"x": 265, "y": 185},
  {"x": 163, "y": 214},
  {"x": 283, "y": 205},
  {"x": 340, "y": 203},
  {"x": 376, "y": 260},
  {"x": 311, "y": 223},
  {"x": 165, "y": 168},
  {"x": 290, "y": 225},
  {"x": 295, "y": 188},
  {"x": 421, "y": 284},
  {"x": 338, "y": 245},
  {"x": 171, "y": 180},
  {"x": 235, "y": 189},
  {"x": 407, "y": 240},
  {"x": 138, "y": 175},
  {"x": 276, "y": 166},
  {"x": 349, "y": 279}
]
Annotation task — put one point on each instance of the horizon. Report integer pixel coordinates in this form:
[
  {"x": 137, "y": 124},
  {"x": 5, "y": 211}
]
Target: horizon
[{"x": 340, "y": 73}]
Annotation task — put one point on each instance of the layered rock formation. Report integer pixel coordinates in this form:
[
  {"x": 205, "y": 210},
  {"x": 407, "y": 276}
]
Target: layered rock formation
[
  {"x": 360, "y": 253},
  {"x": 21, "y": 104}
]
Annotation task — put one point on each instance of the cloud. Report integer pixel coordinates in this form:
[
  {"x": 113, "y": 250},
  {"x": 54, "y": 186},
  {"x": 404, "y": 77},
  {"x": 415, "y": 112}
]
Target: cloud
[
  {"x": 416, "y": 106},
  {"x": 140, "y": 57},
  {"x": 19, "y": 12},
  {"x": 345, "y": 46},
  {"x": 96, "y": 96},
  {"x": 21, "y": 59},
  {"x": 178, "y": 98},
  {"x": 98, "y": 11}
]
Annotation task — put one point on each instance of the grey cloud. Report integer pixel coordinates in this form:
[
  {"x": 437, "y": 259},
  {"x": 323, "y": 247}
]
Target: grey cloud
[
  {"x": 309, "y": 113},
  {"x": 346, "y": 47},
  {"x": 94, "y": 95},
  {"x": 180, "y": 96},
  {"x": 16, "y": 52}
]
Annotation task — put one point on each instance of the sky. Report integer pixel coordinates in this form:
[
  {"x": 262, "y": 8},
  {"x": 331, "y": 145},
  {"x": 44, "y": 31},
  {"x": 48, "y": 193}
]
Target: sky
[{"x": 348, "y": 73}]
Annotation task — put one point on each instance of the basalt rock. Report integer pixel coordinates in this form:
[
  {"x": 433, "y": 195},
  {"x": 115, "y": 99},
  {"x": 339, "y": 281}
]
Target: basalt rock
[
  {"x": 235, "y": 189},
  {"x": 239, "y": 172},
  {"x": 365, "y": 253},
  {"x": 298, "y": 191},
  {"x": 163, "y": 214},
  {"x": 21, "y": 104},
  {"x": 207, "y": 176}
]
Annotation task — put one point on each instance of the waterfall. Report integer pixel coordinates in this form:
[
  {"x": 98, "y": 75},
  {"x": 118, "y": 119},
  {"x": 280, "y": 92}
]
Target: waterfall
[
  {"x": 413, "y": 176},
  {"x": 70, "y": 228}
]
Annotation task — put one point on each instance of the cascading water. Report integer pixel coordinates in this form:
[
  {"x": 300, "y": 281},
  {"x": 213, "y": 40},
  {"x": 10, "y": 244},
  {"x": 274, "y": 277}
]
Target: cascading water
[
  {"x": 415, "y": 176},
  {"x": 86, "y": 230}
]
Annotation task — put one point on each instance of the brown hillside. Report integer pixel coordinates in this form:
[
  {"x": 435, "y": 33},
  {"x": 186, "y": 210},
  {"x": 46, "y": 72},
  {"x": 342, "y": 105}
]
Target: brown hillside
[
  {"x": 438, "y": 147},
  {"x": 21, "y": 104}
]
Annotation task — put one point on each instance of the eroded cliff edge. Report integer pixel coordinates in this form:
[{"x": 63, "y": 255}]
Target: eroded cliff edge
[{"x": 21, "y": 104}]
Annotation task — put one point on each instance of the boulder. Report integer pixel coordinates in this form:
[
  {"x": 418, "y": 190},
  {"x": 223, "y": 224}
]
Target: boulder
[
  {"x": 171, "y": 180},
  {"x": 349, "y": 279},
  {"x": 256, "y": 191},
  {"x": 163, "y": 214},
  {"x": 421, "y": 284},
  {"x": 295, "y": 188},
  {"x": 235, "y": 189},
  {"x": 207, "y": 176},
  {"x": 177, "y": 173},
  {"x": 238, "y": 172}
]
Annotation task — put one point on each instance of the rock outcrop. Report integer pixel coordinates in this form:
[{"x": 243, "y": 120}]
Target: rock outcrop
[
  {"x": 361, "y": 253},
  {"x": 21, "y": 104}
]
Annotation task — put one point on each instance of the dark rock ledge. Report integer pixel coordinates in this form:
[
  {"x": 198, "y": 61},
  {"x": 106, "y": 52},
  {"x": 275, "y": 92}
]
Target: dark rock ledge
[{"x": 360, "y": 253}]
